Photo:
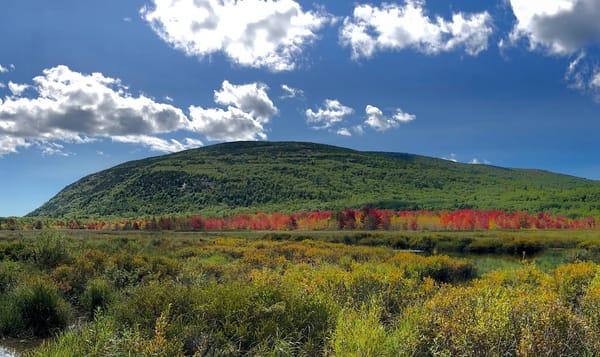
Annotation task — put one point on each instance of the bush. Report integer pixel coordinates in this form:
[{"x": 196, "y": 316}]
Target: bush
[
  {"x": 98, "y": 295},
  {"x": 492, "y": 318},
  {"x": 572, "y": 281},
  {"x": 11, "y": 323},
  {"x": 231, "y": 318},
  {"x": 42, "y": 309},
  {"x": 360, "y": 333},
  {"x": 10, "y": 273},
  {"x": 49, "y": 251},
  {"x": 441, "y": 268},
  {"x": 103, "y": 337}
]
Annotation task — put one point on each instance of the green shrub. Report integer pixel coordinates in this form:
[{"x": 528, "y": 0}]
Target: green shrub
[
  {"x": 10, "y": 273},
  {"x": 103, "y": 337},
  {"x": 98, "y": 295},
  {"x": 42, "y": 309},
  {"x": 232, "y": 318},
  {"x": 11, "y": 323},
  {"x": 359, "y": 333},
  {"x": 49, "y": 251},
  {"x": 441, "y": 268}
]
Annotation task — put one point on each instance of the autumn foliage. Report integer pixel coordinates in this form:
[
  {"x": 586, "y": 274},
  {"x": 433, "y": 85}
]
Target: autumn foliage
[{"x": 347, "y": 219}]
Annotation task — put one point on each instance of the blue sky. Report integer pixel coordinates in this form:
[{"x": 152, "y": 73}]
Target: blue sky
[{"x": 85, "y": 85}]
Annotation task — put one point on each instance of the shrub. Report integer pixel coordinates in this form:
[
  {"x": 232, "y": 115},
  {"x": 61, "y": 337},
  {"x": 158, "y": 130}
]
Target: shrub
[
  {"x": 572, "y": 281},
  {"x": 11, "y": 323},
  {"x": 438, "y": 267},
  {"x": 360, "y": 333},
  {"x": 489, "y": 318},
  {"x": 98, "y": 295},
  {"x": 42, "y": 309},
  {"x": 103, "y": 337},
  {"x": 231, "y": 318},
  {"x": 49, "y": 251},
  {"x": 10, "y": 273}
]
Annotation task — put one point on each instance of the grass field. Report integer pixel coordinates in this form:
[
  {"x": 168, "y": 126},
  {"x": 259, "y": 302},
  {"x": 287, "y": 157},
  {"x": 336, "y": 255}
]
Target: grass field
[{"x": 297, "y": 293}]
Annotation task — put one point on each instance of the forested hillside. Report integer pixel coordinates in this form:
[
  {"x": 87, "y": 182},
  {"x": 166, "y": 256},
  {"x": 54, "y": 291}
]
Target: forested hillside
[{"x": 293, "y": 176}]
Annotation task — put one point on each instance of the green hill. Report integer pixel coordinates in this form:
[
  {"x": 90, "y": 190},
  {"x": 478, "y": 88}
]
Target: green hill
[{"x": 292, "y": 176}]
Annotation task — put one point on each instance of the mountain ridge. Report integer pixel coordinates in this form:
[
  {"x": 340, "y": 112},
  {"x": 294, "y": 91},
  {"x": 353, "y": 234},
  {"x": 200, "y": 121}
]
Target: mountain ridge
[{"x": 295, "y": 176}]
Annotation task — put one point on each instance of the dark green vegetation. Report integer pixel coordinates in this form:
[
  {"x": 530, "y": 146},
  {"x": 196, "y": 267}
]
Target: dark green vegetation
[
  {"x": 295, "y": 177},
  {"x": 273, "y": 294}
]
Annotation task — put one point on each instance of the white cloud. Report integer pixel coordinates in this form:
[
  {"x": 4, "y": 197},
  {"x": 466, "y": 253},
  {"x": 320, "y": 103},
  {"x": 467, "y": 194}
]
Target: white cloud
[
  {"x": 75, "y": 107},
  {"x": 379, "y": 122},
  {"x": 291, "y": 92},
  {"x": 584, "y": 77},
  {"x": 558, "y": 26},
  {"x": 358, "y": 129},
  {"x": 574, "y": 75},
  {"x": 9, "y": 144},
  {"x": 168, "y": 99},
  {"x": 331, "y": 113},
  {"x": 127, "y": 19},
  {"x": 3, "y": 69},
  {"x": 250, "y": 98},
  {"x": 158, "y": 144},
  {"x": 255, "y": 33},
  {"x": 2, "y": 85},
  {"x": 344, "y": 132},
  {"x": 17, "y": 89},
  {"x": 476, "y": 161},
  {"x": 248, "y": 109},
  {"x": 397, "y": 27},
  {"x": 72, "y": 107},
  {"x": 595, "y": 82},
  {"x": 452, "y": 157},
  {"x": 51, "y": 149},
  {"x": 227, "y": 125}
]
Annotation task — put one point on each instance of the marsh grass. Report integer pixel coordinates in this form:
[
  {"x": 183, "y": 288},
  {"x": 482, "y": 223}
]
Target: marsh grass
[{"x": 298, "y": 294}]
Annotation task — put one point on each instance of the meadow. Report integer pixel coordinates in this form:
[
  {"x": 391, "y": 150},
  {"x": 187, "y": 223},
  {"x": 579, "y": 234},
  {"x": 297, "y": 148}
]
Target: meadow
[{"x": 301, "y": 293}]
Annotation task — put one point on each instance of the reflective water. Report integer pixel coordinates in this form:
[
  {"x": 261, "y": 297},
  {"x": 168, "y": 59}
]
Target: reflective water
[
  {"x": 7, "y": 352},
  {"x": 12, "y": 347}
]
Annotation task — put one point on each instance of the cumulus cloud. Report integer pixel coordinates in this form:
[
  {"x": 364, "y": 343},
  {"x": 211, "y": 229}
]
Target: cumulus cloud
[
  {"x": 595, "y": 82},
  {"x": 378, "y": 121},
  {"x": 158, "y": 144},
  {"x": 17, "y": 89},
  {"x": 332, "y": 112},
  {"x": 344, "y": 132},
  {"x": 4, "y": 69},
  {"x": 255, "y": 33},
  {"x": 396, "y": 27},
  {"x": 249, "y": 98},
  {"x": 291, "y": 92},
  {"x": 249, "y": 108},
  {"x": 558, "y": 26},
  {"x": 9, "y": 144},
  {"x": 76, "y": 107},
  {"x": 72, "y": 107}
]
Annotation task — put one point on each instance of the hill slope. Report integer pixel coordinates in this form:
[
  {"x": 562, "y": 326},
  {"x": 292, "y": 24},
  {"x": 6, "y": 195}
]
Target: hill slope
[{"x": 291, "y": 176}]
